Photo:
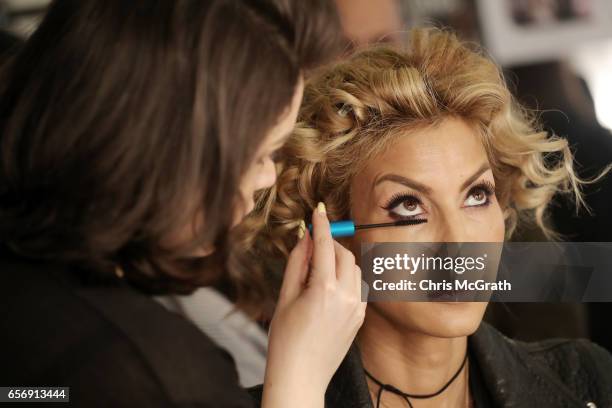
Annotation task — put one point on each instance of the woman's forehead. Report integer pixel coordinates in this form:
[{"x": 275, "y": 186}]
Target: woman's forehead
[{"x": 450, "y": 149}]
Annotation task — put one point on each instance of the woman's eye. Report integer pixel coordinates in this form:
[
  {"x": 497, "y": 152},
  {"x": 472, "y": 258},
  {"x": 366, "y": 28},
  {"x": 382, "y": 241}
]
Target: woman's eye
[
  {"x": 262, "y": 160},
  {"x": 477, "y": 197},
  {"x": 276, "y": 156},
  {"x": 273, "y": 157},
  {"x": 407, "y": 208}
]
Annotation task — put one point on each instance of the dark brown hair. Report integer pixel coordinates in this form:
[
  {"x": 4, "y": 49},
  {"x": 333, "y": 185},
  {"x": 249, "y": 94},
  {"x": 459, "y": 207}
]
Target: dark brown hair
[{"x": 121, "y": 121}]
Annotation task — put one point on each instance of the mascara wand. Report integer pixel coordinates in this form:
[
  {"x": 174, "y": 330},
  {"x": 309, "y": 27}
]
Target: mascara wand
[{"x": 347, "y": 228}]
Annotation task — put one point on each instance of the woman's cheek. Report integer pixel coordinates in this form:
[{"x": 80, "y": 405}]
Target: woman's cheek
[{"x": 497, "y": 230}]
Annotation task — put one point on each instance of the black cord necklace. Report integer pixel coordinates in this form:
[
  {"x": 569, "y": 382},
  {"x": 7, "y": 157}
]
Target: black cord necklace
[{"x": 405, "y": 395}]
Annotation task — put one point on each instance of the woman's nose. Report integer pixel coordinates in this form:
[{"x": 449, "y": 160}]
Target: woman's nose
[
  {"x": 454, "y": 228},
  {"x": 267, "y": 177}
]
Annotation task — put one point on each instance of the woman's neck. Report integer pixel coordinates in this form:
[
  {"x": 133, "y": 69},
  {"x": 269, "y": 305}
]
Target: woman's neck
[{"x": 413, "y": 362}]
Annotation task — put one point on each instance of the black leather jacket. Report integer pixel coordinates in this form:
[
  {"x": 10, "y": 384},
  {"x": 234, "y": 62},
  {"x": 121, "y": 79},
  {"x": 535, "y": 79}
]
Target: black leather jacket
[{"x": 554, "y": 373}]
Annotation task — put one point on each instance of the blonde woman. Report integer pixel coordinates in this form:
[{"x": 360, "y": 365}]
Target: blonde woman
[{"x": 431, "y": 132}]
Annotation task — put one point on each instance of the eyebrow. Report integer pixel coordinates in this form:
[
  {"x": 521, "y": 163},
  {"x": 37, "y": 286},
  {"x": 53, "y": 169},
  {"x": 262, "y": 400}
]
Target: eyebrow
[
  {"x": 482, "y": 169},
  {"x": 396, "y": 178}
]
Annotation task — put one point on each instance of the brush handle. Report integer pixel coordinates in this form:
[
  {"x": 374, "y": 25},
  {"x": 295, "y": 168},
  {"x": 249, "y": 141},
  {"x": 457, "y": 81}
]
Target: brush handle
[{"x": 339, "y": 229}]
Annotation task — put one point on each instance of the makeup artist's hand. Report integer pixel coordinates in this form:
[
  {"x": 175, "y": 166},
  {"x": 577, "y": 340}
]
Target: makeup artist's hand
[{"x": 317, "y": 317}]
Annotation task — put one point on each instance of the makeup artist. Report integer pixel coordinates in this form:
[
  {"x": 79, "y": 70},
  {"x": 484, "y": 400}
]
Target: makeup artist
[{"x": 133, "y": 136}]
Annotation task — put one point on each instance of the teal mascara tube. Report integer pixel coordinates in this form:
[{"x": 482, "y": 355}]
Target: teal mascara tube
[
  {"x": 342, "y": 228},
  {"x": 347, "y": 228}
]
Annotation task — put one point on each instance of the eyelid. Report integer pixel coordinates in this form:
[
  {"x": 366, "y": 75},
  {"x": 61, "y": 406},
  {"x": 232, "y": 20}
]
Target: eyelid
[
  {"x": 485, "y": 185},
  {"x": 274, "y": 156},
  {"x": 399, "y": 198}
]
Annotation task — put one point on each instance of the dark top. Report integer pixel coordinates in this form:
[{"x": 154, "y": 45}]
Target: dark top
[
  {"x": 478, "y": 388},
  {"x": 555, "y": 373},
  {"x": 9, "y": 44},
  {"x": 113, "y": 346}
]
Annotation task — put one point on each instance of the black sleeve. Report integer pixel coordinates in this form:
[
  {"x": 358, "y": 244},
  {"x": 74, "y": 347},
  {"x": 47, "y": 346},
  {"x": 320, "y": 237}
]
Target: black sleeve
[
  {"x": 117, "y": 376},
  {"x": 113, "y": 346},
  {"x": 600, "y": 377},
  {"x": 257, "y": 394}
]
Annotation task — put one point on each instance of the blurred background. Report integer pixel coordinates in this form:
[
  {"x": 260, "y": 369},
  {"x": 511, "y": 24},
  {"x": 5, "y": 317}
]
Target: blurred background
[
  {"x": 517, "y": 32},
  {"x": 557, "y": 58}
]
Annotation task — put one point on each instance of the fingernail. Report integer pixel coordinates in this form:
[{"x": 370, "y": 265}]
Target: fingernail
[
  {"x": 321, "y": 208},
  {"x": 301, "y": 229}
]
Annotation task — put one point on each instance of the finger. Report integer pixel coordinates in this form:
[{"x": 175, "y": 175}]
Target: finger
[
  {"x": 296, "y": 270},
  {"x": 365, "y": 292},
  {"x": 323, "y": 257},
  {"x": 362, "y": 287},
  {"x": 358, "y": 280},
  {"x": 345, "y": 266}
]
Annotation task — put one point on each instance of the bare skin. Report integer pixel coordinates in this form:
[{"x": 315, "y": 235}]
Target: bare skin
[
  {"x": 313, "y": 325},
  {"x": 418, "y": 346}
]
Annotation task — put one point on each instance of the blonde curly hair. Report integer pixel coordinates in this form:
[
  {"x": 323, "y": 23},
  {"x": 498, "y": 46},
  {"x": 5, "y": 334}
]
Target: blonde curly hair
[{"x": 353, "y": 110}]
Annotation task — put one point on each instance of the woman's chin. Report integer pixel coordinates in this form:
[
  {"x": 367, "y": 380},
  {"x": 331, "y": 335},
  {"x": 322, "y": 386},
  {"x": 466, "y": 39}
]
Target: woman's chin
[
  {"x": 436, "y": 319},
  {"x": 453, "y": 319}
]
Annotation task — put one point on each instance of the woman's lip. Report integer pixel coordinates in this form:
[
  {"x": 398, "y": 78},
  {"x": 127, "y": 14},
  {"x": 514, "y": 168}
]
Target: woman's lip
[{"x": 441, "y": 295}]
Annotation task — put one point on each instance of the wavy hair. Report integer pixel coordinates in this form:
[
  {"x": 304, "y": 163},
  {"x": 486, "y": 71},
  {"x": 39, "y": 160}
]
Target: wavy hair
[
  {"x": 121, "y": 122},
  {"x": 354, "y": 109}
]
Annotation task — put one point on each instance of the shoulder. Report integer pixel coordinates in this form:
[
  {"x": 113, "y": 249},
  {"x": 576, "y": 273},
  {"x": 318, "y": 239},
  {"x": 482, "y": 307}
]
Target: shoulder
[
  {"x": 579, "y": 363},
  {"x": 108, "y": 337},
  {"x": 567, "y": 369},
  {"x": 256, "y": 393}
]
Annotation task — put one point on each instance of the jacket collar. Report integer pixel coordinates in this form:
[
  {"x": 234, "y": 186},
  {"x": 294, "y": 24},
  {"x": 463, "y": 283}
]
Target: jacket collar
[{"x": 514, "y": 379}]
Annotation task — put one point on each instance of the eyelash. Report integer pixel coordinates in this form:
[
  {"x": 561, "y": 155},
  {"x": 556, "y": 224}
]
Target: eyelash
[
  {"x": 400, "y": 198},
  {"x": 276, "y": 155},
  {"x": 485, "y": 186},
  {"x": 272, "y": 156}
]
